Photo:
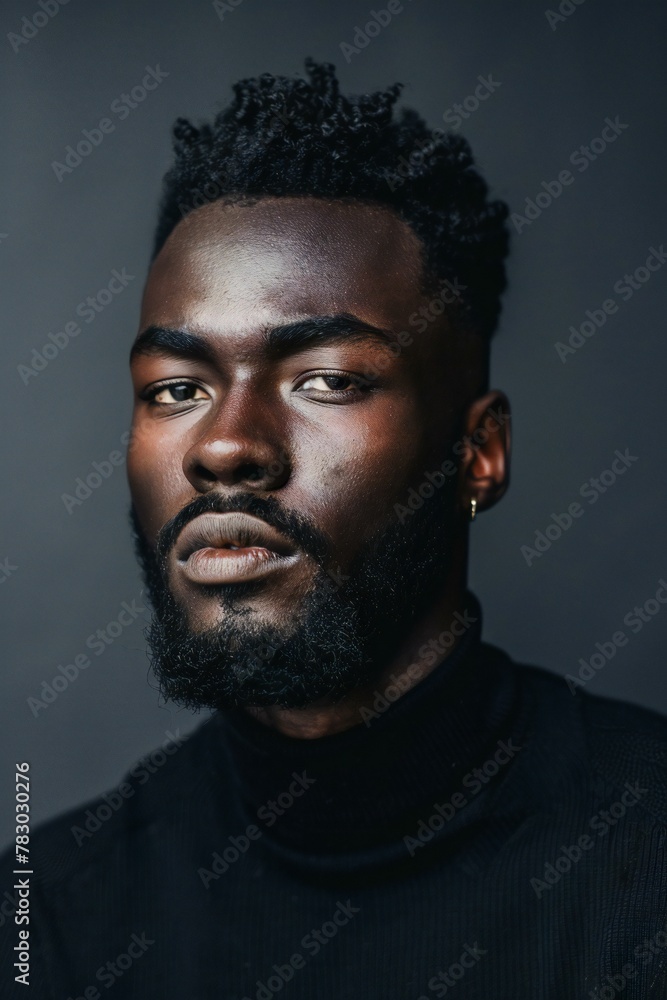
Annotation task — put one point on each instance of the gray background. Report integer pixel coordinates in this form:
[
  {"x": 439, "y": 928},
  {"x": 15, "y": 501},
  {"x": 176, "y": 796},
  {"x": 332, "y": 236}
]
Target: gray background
[{"x": 61, "y": 239}]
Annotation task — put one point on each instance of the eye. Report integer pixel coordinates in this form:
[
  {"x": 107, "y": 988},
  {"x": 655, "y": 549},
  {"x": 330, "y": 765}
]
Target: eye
[
  {"x": 330, "y": 383},
  {"x": 335, "y": 382},
  {"x": 180, "y": 392}
]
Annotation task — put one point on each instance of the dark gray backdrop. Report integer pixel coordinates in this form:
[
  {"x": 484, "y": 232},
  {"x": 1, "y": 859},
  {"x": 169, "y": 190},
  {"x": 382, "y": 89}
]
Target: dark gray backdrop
[{"x": 66, "y": 574}]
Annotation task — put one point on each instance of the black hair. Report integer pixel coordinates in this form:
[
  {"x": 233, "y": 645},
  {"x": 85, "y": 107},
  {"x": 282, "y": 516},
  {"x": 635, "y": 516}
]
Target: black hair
[{"x": 282, "y": 136}]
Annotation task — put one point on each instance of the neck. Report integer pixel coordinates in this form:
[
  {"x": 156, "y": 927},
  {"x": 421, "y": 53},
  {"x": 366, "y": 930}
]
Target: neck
[{"x": 369, "y": 787}]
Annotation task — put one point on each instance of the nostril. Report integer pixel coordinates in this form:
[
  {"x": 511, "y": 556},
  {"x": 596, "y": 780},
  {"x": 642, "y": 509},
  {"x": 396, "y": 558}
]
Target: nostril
[
  {"x": 205, "y": 474},
  {"x": 251, "y": 473}
]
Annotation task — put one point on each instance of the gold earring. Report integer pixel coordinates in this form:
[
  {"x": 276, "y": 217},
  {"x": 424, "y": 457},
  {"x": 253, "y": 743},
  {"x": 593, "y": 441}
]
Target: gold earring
[{"x": 473, "y": 509}]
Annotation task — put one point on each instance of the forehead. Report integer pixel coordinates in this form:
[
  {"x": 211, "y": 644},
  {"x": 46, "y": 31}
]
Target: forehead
[{"x": 288, "y": 256}]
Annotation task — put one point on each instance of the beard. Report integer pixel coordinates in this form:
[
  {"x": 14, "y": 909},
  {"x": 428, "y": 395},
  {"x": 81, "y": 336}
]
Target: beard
[{"x": 342, "y": 636}]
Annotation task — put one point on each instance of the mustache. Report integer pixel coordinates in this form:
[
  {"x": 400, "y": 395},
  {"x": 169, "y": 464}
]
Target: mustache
[{"x": 297, "y": 528}]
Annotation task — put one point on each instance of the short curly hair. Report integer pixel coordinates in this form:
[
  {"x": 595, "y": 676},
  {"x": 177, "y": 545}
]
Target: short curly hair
[{"x": 283, "y": 136}]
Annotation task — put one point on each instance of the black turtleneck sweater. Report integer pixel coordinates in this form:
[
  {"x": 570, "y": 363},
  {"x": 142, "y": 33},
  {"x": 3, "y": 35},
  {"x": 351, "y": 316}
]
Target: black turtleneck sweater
[{"x": 489, "y": 834}]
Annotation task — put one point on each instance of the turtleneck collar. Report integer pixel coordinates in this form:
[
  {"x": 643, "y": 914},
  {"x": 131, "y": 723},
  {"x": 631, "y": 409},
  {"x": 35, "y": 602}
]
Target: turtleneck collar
[{"x": 363, "y": 790}]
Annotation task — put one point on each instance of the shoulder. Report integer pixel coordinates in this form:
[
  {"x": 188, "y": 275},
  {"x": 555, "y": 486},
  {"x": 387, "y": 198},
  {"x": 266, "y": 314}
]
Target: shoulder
[
  {"x": 617, "y": 744},
  {"x": 150, "y": 796},
  {"x": 602, "y": 717}
]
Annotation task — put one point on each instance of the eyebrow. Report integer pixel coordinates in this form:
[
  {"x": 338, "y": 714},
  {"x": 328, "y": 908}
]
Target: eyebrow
[{"x": 278, "y": 341}]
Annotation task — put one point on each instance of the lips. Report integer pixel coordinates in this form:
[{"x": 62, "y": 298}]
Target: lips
[{"x": 230, "y": 548}]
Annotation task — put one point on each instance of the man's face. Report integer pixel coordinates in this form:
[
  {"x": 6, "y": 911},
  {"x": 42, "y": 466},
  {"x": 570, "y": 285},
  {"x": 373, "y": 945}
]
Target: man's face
[{"x": 287, "y": 396}]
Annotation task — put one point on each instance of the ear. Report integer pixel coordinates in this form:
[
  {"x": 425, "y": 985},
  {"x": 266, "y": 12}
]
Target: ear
[{"x": 485, "y": 461}]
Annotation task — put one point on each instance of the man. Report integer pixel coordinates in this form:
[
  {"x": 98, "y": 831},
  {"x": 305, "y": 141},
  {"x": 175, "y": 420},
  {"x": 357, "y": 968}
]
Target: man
[{"x": 381, "y": 805}]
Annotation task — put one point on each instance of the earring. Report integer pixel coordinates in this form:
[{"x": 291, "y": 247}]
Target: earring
[{"x": 473, "y": 508}]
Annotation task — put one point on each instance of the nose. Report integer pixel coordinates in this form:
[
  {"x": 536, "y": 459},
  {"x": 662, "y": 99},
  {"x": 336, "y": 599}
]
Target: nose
[{"x": 239, "y": 445}]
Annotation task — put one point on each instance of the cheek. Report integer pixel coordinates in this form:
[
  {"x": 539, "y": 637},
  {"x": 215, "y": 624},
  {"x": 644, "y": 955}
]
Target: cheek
[
  {"x": 157, "y": 486},
  {"x": 352, "y": 483}
]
